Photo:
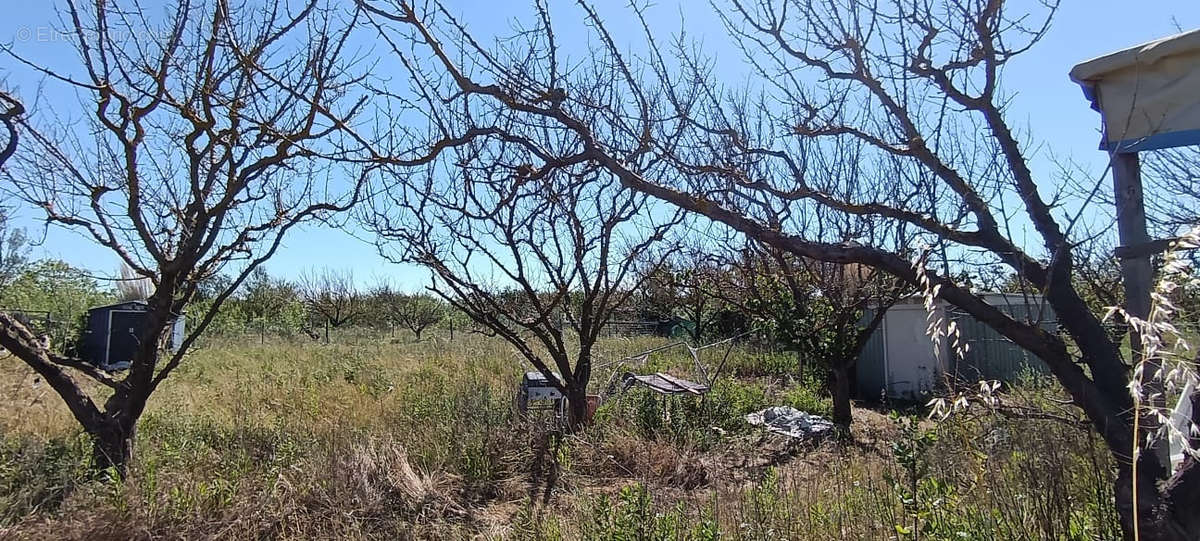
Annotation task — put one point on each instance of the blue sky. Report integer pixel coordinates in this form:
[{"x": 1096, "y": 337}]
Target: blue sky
[{"x": 1046, "y": 104}]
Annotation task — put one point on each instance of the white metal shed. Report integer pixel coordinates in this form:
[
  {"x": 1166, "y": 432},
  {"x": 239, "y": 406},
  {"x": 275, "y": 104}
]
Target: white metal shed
[{"x": 901, "y": 360}]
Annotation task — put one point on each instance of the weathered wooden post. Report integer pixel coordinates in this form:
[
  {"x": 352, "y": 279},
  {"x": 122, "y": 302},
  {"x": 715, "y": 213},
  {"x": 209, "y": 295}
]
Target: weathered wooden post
[{"x": 1149, "y": 98}]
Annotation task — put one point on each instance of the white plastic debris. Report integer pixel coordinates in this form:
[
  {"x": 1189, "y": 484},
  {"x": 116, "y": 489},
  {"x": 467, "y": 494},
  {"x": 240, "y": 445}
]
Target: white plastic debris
[
  {"x": 1181, "y": 421},
  {"x": 790, "y": 422}
]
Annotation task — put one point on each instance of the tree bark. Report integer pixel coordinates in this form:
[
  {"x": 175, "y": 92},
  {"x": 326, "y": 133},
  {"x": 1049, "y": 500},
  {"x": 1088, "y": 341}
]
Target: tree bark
[
  {"x": 112, "y": 446},
  {"x": 577, "y": 407},
  {"x": 1181, "y": 500},
  {"x": 13, "y": 110},
  {"x": 840, "y": 373},
  {"x": 1166, "y": 512}
]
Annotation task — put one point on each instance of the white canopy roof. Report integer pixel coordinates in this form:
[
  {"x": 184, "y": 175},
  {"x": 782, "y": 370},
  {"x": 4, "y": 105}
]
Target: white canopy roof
[{"x": 1148, "y": 95}]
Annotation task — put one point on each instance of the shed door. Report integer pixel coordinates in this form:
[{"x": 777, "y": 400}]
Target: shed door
[
  {"x": 122, "y": 335},
  {"x": 911, "y": 367}
]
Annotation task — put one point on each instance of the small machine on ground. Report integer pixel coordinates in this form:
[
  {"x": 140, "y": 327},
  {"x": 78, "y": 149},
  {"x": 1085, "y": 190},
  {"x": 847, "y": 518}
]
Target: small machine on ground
[{"x": 537, "y": 393}]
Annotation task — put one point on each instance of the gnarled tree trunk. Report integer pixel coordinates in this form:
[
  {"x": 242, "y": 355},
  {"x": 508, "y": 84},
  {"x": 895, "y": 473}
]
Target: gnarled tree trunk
[
  {"x": 1168, "y": 511},
  {"x": 840, "y": 385},
  {"x": 112, "y": 446}
]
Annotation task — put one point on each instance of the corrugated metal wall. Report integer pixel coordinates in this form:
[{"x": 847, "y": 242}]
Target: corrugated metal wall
[
  {"x": 990, "y": 355},
  {"x": 871, "y": 376},
  {"x": 994, "y": 357}
]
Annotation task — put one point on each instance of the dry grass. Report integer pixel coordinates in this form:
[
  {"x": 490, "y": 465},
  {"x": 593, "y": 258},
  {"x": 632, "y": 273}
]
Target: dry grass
[{"x": 370, "y": 438}]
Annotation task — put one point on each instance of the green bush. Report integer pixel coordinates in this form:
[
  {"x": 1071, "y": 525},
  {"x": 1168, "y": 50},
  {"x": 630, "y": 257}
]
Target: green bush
[
  {"x": 687, "y": 419},
  {"x": 808, "y": 395},
  {"x": 64, "y": 291}
]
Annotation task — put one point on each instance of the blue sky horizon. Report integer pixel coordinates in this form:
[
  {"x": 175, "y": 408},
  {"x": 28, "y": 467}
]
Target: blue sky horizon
[{"x": 1045, "y": 104}]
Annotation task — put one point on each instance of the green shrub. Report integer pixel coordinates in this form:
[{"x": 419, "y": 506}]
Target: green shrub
[
  {"x": 686, "y": 419},
  {"x": 808, "y": 395},
  {"x": 56, "y": 287}
]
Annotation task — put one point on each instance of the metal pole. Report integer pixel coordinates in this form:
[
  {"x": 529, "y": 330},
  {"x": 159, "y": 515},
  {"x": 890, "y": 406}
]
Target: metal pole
[{"x": 1137, "y": 273}]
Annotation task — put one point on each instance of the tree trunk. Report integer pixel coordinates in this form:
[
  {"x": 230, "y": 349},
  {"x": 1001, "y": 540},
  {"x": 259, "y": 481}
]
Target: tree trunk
[
  {"x": 1164, "y": 514},
  {"x": 418, "y": 333},
  {"x": 112, "y": 447},
  {"x": 577, "y": 407},
  {"x": 1181, "y": 498},
  {"x": 841, "y": 398}
]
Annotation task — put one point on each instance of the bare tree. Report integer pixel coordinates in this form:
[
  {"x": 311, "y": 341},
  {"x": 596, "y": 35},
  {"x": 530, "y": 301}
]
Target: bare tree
[
  {"x": 14, "y": 250},
  {"x": 693, "y": 280},
  {"x": 212, "y": 135},
  {"x": 1172, "y": 189},
  {"x": 13, "y": 243},
  {"x": 1098, "y": 279},
  {"x": 540, "y": 258},
  {"x": 911, "y": 89},
  {"x": 332, "y": 295},
  {"x": 419, "y": 312},
  {"x": 415, "y": 312}
]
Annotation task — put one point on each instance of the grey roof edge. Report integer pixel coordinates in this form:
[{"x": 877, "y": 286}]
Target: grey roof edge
[{"x": 1139, "y": 55}]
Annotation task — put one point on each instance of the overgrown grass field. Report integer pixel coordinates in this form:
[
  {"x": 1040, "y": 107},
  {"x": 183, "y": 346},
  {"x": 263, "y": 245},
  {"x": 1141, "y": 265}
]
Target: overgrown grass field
[{"x": 374, "y": 438}]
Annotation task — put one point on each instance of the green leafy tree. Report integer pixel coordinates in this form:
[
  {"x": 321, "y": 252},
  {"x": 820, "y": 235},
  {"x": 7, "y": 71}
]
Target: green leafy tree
[
  {"x": 63, "y": 291},
  {"x": 415, "y": 312},
  {"x": 656, "y": 299},
  {"x": 826, "y": 312},
  {"x": 270, "y": 304},
  {"x": 688, "y": 286}
]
